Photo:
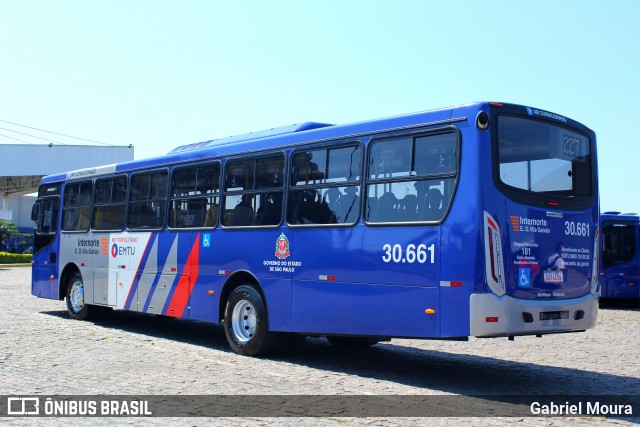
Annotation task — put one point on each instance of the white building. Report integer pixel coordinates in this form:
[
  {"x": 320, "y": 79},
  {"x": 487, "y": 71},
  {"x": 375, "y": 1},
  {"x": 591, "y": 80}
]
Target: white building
[{"x": 23, "y": 165}]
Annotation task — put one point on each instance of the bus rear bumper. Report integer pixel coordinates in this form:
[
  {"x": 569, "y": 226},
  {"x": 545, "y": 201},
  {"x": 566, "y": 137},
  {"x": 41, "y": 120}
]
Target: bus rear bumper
[{"x": 493, "y": 316}]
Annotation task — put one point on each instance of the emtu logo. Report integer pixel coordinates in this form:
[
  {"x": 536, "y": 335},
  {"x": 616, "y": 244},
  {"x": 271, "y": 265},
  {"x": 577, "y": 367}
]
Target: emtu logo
[
  {"x": 114, "y": 250},
  {"x": 515, "y": 222}
]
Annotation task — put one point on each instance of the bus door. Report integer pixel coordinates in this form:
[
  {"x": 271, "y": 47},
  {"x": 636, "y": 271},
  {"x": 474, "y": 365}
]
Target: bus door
[
  {"x": 115, "y": 271},
  {"x": 45, "y": 251},
  {"x": 104, "y": 277}
]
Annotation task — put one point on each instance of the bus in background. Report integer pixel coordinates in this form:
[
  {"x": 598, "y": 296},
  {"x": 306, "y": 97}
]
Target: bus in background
[
  {"x": 476, "y": 220},
  {"x": 620, "y": 272}
]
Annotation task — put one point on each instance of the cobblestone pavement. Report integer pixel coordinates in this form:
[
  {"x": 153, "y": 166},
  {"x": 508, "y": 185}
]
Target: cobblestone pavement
[{"x": 44, "y": 352}]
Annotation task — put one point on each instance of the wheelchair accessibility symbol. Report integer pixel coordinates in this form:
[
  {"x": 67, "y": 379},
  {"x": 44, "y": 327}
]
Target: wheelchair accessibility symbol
[
  {"x": 524, "y": 277},
  {"x": 206, "y": 240}
]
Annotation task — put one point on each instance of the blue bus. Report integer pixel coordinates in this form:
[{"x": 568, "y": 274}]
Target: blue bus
[
  {"x": 477, "y": 220},
  {"x": 620, "y": 271}
]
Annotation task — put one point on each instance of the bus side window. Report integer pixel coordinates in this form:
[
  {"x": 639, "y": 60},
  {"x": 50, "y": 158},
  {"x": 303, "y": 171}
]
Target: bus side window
[
  {"x": 254, "y": 191},
  {"x": 195, "y": 196},
  {"x": 47, "y": 222},
  {"x": 325, "y": 186},
  {"x": 76, "y": 206},
  {"x": 411, "y": 179},
  {"x": 109, "y": 203},
  {"x": 148, "y": 200}
]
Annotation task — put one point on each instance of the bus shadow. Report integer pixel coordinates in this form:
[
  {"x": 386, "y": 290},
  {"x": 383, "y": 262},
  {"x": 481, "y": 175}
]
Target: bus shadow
[
  {"x": 433, "y": 369},
  {"x": 622, "y": 304},
  {"x": 186, "y": 331}
]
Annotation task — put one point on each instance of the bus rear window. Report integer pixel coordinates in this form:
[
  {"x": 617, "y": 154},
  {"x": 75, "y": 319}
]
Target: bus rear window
[{"x": 543, "y": 158}]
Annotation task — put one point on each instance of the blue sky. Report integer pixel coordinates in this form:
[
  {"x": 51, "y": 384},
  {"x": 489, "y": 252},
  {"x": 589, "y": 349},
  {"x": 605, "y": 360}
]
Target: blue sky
[{"x": 158, "y": 74}]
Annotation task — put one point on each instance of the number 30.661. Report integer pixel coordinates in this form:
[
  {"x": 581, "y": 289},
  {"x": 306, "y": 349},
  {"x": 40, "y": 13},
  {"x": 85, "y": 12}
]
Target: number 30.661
[{"x": 411, "y": 254}]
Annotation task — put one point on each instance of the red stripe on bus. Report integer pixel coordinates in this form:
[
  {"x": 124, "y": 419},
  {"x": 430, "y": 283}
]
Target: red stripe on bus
[
  {"x": 492, "y": 224},
  {"x": 493, "y": 266},
  {"x": 185, "y": 285}
]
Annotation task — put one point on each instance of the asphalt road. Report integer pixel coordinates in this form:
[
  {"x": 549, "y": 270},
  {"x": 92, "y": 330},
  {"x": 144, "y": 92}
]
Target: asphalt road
[{"x": 44, "y": 352}]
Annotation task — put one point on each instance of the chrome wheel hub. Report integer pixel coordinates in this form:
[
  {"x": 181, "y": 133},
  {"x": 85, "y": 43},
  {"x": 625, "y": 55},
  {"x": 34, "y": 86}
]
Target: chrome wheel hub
[
  {"x": 76, "y": 297},
  {"x": 243, "y": 321}
]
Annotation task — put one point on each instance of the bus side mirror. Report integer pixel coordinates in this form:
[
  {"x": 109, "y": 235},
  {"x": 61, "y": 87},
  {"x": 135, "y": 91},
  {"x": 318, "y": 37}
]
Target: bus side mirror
[{"x": 35, "y": 211}]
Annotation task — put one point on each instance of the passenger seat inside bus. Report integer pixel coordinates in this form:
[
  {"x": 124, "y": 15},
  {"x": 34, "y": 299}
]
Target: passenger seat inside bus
[
  {"x": 211, "y": 217},
  {"x": 409, "y": 208},
  {"x": 433, "y": 207},
  {"x": 271, "y": 211},
  {"x": 242, "y": 214},
  {"x": 175, "y": 221},
  {"x": 386, "y": 208}
]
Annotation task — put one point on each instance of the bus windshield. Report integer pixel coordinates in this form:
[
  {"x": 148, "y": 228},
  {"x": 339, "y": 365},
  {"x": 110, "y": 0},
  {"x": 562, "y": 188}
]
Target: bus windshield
[
  {"x": 618, "y": 243},
  {"x": 539, "y": 157}
]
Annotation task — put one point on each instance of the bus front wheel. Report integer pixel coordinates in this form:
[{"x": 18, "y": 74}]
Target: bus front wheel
[
  {"x": 76, "y": 305},
  {"x": 245, "y": 322}
]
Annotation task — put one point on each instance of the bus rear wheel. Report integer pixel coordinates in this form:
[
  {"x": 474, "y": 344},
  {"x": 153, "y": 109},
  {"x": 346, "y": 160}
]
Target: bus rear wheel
[
  {"x": 245, "y": 322},
  {"x": 76, "y": 306}
]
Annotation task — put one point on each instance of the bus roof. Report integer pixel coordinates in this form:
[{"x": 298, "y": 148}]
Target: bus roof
[
  {"x": 618, "y": 216},
  {"x": 280, "y": 137},
  {"x": 250, "y": 136}
]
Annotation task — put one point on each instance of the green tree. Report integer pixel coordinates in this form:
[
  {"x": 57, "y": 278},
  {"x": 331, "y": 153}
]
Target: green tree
[{"x": 6, "y": 228}]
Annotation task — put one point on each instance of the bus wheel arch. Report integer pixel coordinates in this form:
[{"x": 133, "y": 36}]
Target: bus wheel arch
[
  {"x": 68, "y": 271},
  {"x": 237, "y": 279}
]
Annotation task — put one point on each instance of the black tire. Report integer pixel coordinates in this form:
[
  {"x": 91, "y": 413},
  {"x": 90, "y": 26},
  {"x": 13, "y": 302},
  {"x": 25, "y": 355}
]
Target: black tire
[
  {"x": 351, "y": 342},
  {"x": 76, "y": 306},
  {"x": 246, "y": 324}
]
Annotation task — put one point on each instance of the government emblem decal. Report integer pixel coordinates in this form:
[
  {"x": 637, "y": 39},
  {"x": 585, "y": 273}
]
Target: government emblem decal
[{"x": 282, "y": 247}]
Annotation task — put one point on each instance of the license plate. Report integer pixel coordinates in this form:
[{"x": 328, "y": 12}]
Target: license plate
[
  {"x": 553, "y": 276},
  {"x": 554, "y": 315}
]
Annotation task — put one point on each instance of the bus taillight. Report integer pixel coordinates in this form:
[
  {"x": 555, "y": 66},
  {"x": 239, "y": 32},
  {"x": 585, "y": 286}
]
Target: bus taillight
[
  {"x": 595, "y": 270},
  {"x": 493, "y": 255}
]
